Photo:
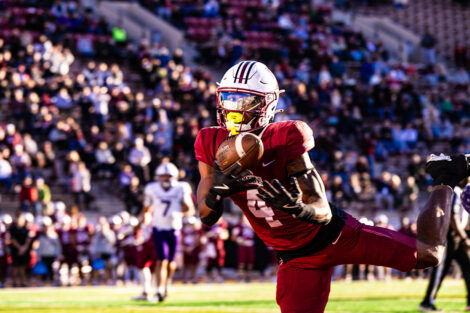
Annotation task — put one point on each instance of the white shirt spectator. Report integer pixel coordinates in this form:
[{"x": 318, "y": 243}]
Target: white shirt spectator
[
  {"x": 5, "y": 169},
  {"x": 49, "y": 246},
  {"x": 284, "y": 21},
  {"x": 140, "y": 156},
  {"x": 324, "y": 76},
  {"x": 20, "y": 160},
  {"x": 100, "y": 103},
  {"x": 461, "y": 77},
  {"x": 104, "y": 156},
  {"x": 409, "y": 135},
  {"x": 81, "y": 180},
  {"x": 103, "y": 242},
  {"x": 30, "y": 145}
]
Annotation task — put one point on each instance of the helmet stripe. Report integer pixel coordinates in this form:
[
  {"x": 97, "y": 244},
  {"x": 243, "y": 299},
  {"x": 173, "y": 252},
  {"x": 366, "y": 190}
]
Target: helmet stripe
[
  {"x": 243, "y": 72},
  {"x": 238, "y": 69},
  {"x": 249, "y": 70}
]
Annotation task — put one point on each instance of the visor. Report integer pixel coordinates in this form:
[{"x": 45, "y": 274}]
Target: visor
[{"x": 234, "y": 101}]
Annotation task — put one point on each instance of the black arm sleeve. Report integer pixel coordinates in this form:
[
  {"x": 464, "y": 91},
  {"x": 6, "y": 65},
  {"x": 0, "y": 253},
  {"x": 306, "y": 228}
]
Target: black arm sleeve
[{"x": 213, "y": 216}]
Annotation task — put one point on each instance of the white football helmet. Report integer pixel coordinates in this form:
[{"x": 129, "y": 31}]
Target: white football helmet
[
  {"x": 247, "y": 97},
  {"x": 163, "y": 171}
]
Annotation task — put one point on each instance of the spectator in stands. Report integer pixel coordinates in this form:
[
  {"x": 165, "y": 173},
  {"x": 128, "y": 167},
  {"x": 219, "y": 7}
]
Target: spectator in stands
[
  {"x": 49, "y": 249},
  {"x": 6, "y": 174},
  {"x": 19, "y": 239},
  {"x": 384, "y": 198},
  {"x": 133, "y": 196},
  {"x": 140, "y": 158},
  {"x": 125, "y": 176},
  {"x": 428, "y": 44},
  {"x": 81, "y": 186},
  {"x": 103, "y": 247},
  {"x": 44, "y": 193},
  {"x": 105, "y": 159},
  {"x": 410, "y": 194},
  {"x": 211, "y": 8},
  {"x": 5, "y": 222},
  {"x": 236, "y": 52},
  {"x": 461, "y": 78},
  {"x": 21, "y": 163},
  {"x": 29, "y": 197},
  {"x": 460, "y": 55}
]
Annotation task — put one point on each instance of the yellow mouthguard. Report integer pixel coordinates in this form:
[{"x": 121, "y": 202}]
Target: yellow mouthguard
[{"x": 232, "y": 119}]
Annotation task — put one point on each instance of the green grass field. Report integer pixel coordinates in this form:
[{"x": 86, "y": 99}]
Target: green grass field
[{"x": 377, "y": 297}]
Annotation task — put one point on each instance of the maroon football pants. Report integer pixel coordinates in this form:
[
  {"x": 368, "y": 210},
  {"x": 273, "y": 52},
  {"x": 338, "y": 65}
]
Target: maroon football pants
[{"x": 303, "y": 284}]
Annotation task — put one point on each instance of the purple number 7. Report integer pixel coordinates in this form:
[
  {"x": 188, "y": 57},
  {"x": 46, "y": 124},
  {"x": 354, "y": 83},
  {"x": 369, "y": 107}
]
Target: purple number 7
[{"x": 167, "y": 206}]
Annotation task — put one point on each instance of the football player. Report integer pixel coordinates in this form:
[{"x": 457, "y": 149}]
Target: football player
[
  {"x": 290, "y": 211},
  {"x": 146, "y": 256},
  {"x": 214, "y": 249},
  {"x": 67, "y": 237},
  {"x": 244, "y": 237},
  {"x": 169, "y": 201},
  {"x": 191, "y": 244},
  {"x": 83, "y": 235}
]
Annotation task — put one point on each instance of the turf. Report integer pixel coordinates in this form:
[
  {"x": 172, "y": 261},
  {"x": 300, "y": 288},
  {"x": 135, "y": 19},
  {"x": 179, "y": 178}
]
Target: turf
[{"x": 364, "y": 297}]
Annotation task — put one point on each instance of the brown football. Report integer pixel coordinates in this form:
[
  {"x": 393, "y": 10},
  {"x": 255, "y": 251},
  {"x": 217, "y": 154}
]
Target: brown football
[{"x": 245, "y": 148}]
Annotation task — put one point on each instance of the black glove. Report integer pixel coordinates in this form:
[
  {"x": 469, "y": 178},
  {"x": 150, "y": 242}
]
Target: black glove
[
  {"x": 448, "y": 170},
  {"x": 224, "y": 185},
  {"x": 276, "y": 196}
]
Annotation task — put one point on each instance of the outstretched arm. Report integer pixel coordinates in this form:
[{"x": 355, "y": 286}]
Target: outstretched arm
[
  {"x": 216, "y": 185},
  {"x": 209, "y": 216},
  {"x": 312, "y": 187}
]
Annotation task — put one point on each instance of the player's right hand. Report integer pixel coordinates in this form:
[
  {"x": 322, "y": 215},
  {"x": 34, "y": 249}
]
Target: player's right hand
[{"x": 229, "y": 183}]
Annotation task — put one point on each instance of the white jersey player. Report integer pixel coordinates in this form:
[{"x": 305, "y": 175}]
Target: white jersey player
[{"x": 169, "y": 202}]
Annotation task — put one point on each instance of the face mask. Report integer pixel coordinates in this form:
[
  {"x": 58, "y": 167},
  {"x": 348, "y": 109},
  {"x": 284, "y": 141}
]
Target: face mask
[{"x": 166, "y": 184}]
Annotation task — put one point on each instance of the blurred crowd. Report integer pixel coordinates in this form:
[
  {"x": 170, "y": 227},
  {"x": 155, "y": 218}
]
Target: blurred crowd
[
  {"x": 70, "y": 122},
  {"x": 374, "y": 118},
  {"x": 66, "y": 249}
]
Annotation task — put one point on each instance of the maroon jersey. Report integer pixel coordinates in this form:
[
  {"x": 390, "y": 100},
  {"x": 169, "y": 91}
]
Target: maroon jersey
[
  {"x": 191, "y": 237},
  {"x": 3, "y": 245},
  {"x": 244, "y": 235},
  {"x": 83, "y": 238},
  {"x": 283, "y": 141},
  {"x": 67, "y": 240},
  {"x": 67, "y": 237}
]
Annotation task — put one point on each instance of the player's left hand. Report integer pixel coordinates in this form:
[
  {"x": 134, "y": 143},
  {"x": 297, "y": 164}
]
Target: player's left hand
[{"x": 277, "y": 196}]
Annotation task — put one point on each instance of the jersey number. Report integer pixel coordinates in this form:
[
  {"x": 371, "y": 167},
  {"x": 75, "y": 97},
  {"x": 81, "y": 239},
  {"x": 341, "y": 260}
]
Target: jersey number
[
  {"x": 260, "y": 209},
  {"x": 167, "y": 206}
]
